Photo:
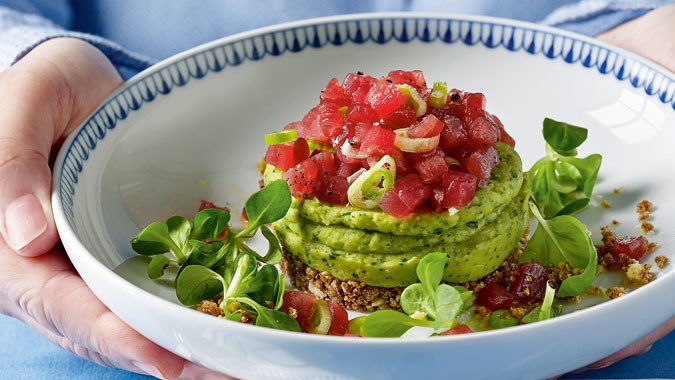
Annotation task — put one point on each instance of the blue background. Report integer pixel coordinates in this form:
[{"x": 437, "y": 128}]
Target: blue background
[{"x": 24, "y": 354}]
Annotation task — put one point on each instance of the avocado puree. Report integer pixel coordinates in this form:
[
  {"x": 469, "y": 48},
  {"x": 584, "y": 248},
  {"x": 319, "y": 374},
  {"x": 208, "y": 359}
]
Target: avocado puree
[
  {"x": 364, "y": 241},
  {"x": 468, "y": 260},
  {"x": 381, "y": 250},
  {"x": 504, "y": 184}
]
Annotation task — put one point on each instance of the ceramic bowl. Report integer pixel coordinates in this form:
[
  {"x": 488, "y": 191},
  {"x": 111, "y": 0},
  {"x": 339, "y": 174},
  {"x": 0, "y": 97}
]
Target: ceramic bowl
[{"x": 192, "y": 126}]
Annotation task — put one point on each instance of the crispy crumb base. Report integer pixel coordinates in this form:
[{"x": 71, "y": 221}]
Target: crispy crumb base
[
  {"x": 352, "y": 294},
  {"x": 359, "y": 296}
]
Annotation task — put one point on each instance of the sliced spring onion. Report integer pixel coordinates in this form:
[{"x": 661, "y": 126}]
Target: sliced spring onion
[
  {"x": 322, "y": 318},
  {"x": 355, "y": 175},
  {"x": 439, "y": 94},
  {"x": 413, "y": 99},
  {"x": 546, "y": 310},
  {"x": 348, "y": 150},
  {"x": 414, "y": 145},
  {"x": 316, "y": 145},
  {"x": 367, "y": 190},
  {"x": 285, "y": 136}
]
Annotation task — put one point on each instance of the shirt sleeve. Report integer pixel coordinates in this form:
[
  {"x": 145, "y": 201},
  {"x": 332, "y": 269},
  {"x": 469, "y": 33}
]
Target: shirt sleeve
[
  {"x": 592, "y": 17},
  {"x": 21, "y": 30}
]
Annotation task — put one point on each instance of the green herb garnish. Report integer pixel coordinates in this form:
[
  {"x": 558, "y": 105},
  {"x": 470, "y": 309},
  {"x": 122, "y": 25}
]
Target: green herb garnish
[
  {"x": 561, "y": 183},
  {"x": 427, "y": 303},
  {"x": 439, "y": 94},
  {"x": 563, "y": 239},
  {"x": 284, "y": 136},
  {"x": 216, "y": 263}
]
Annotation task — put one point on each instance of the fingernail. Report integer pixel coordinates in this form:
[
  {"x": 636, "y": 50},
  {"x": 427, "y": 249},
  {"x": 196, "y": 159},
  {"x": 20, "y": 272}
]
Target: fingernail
[
  {"x": 148, "y": 369},
  {"x": 25, "y": 220}
]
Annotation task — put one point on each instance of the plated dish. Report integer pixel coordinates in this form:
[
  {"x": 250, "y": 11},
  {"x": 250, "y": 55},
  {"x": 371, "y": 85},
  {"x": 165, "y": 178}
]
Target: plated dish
[{"x": 187, "y": 129}]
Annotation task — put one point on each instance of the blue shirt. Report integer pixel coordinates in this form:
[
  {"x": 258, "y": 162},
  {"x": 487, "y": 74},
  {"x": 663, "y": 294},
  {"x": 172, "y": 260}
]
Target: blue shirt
[{"x": 134, "y": 34}]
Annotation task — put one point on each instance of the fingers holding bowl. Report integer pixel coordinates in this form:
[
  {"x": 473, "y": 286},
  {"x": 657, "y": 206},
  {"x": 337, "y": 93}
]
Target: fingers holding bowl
[
  {"x": 46, "y": 293},
  {"x": 43, "y": 96}
]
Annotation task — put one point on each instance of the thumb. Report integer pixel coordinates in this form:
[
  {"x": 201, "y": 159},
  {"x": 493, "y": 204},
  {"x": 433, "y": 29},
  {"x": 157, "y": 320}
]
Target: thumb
[{"x": 42, "y": 97}]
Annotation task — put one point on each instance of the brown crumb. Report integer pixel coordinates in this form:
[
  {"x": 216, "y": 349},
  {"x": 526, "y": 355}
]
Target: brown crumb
[
  {"x": 639, "y": 273},
  {"x": 605, "y": 204},
  {"x": 481, "y": 312},
  {"x": 661, "y": 261},
  {"x": 617, "y": 191},
  {"x": 519, "y": 311},
  {"x": 615, "y": 222},
  {"x": 617, "y": 292},
  {"x": 292, "y": 312},
  {"x": 594, "y": 291},
  {"x": 504, "y": 274},
  {"x": 560, "y": 272},
  {"x": 608, "y": 236},
  {"x": 620, "y": 264},
  {"x": 644, "y": 209},
  {"x": 210, "y": 307},
  {"x": 644, "y": 206},
  {"x": 647, "y": 227},
  {"x": 608, "y": 240}
]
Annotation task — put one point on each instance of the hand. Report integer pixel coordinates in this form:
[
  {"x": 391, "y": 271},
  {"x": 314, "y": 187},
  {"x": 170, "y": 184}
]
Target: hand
[
  {"x": 650, "y": 36},
  {"x": 43, "y": 97}
]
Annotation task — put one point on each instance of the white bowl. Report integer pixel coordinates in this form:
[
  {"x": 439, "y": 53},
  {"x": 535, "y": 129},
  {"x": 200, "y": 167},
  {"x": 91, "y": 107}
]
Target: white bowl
[{"x": 191, "y": 128}]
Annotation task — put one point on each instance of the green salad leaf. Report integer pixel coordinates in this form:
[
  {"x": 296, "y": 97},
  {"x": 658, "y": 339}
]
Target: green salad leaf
[
  {"x": 448, "y": 303},
  {"x": 502, "y": 318},
  {"x": 562, "y": 137},
  {"x": 563, "y": 239},
  {"x": 157, "y": 266},
  {"x": 271, "y": 318},
  {"x": 161, "y": 237},
  {"x": 209, "y": 223},
  {"x": 273, "y": 255},
  {"x": 389, "y": 324},
  {"x": 267, "y": 205},
  {"x": 268, "y": 287},
  {"x": 427, "y": 303},
  {"x": 217, "y": 264},
  {"x": 561, "y": 183},
  {"x": 197, "y": 283}
]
